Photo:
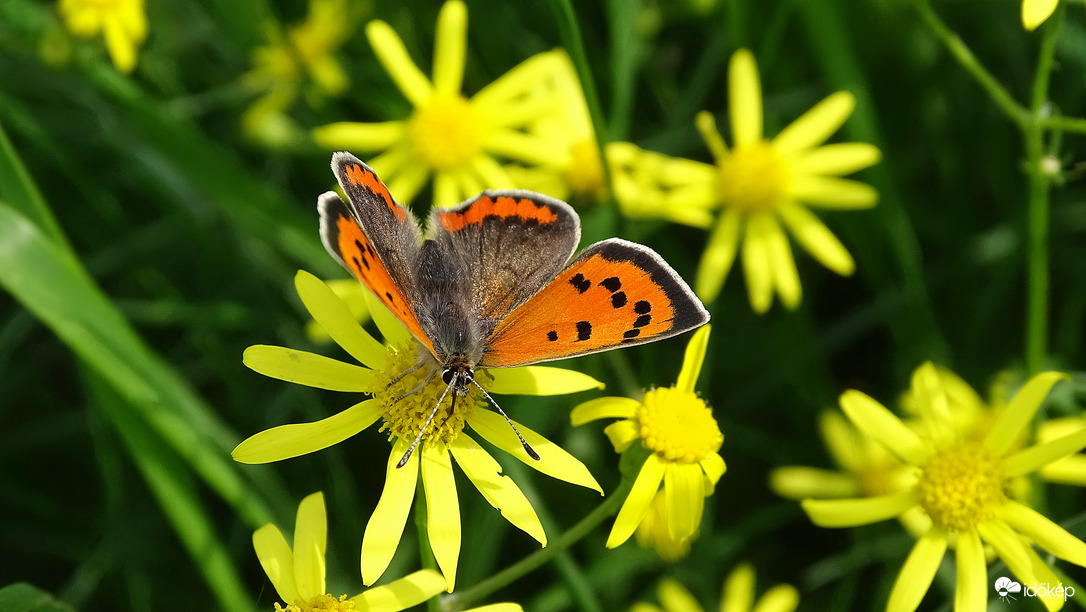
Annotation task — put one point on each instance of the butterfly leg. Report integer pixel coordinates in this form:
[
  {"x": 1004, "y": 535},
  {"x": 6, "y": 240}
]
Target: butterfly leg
[
  {"x": 399, "y": 377},
  {"x": 426, "y": 381}
]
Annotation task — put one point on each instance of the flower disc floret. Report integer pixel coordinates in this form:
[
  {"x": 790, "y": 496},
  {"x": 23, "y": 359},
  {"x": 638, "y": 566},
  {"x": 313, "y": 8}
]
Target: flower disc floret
[
  {"x": 320, "y": 603},
  {"x": 678, "y": 426},
  {"x": 961, "y": 487},
  {"x": 407, "y": 407},
  {"x": 753, "y": 178},
  {"x": 446, "y": 132}
]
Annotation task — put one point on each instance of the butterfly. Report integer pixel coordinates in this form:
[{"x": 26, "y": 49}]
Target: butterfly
[{"x": 493, "y": 285}]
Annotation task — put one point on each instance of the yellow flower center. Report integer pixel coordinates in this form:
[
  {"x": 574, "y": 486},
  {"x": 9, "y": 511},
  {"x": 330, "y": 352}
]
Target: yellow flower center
[
  {"x": 678, "y": 425},
  {"x": 446, "y": 132},
  {"x": 753, "y": 178},
  {"x": 320, "y": 603},
  {"x": 407, "y": 404},
  {"x": 961, "y": 486},
  {"x": 584, "y": 174}
]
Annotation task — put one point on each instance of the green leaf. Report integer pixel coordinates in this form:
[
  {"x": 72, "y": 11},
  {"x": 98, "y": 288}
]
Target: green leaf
[{"x": 23, "y": 597}]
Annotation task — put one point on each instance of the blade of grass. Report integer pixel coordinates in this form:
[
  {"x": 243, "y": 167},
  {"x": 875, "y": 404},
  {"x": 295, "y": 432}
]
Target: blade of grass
[{"x": 172, "y": 486}]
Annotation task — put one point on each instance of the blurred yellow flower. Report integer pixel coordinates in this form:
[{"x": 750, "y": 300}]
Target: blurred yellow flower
[
  {"x": 123, "y": 23},
  {"x": 455, "y": 139},
  {"x": 403, "y": 397},
  {"x": 1035, "y": 12},
  {"x": 653, "y": 532},
  {"x": 280, "y": 69},
  {"x": 963, "y": 487},
  {"x": 682, "y": 438},
  {"x": 651, "y": 185},
  {"x": 737, "y": 596},
  {"x": 1069, "y": 470},
  {"x": 761, "y": 184}
]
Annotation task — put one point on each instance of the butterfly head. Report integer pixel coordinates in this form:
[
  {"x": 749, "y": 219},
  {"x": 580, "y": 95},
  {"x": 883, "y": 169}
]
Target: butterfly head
[{"x": 458, "y": 372}]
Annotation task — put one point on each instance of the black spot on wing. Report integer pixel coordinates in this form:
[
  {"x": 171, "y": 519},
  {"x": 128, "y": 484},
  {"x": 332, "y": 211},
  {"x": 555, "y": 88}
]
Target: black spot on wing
[
  {"x": 584, "y": 330},
  {"x": 630, "y": 334},
  {"x": 552, "y": 336},
  {"x": 618, "y": 299},
  {"x": 611, "y": 284},
  {"x": 643, "y": 320},
  {"x": 689, "y": 311},
  {"x": 642, "y": 307},
  {"x": 580, "y": 283}
]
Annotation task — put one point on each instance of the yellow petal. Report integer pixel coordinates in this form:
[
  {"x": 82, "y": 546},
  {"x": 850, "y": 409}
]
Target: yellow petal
[
  {"x": 842, "y": 441},
  {"x": 757, "y": 268},
  {"x": 122, "y": 49},
  {"x": 738, "y": 595},
  {"x": 521, "y": 146},
  {"x": 637, "y": 502},
  {"x": 919, "y": 570},
  {"x": 692, "y": 359},
  {"x": 411, "y": 590},
  {"x": 684, "y": 493},
  {"x": 1019, "y": 411},
  {"x": 499, "y": 607},
  {"x": 1044, "y": 532},
  {"x": 308, "y": 369},
  {"x": 971, "y": 592},
  {"x": 604, "y": 408},
  {"x": 719, "y": 255},
  {"x": 310, "y": 542},
  {"x": 442, "y": 509},
  {"x": 816, "y": 238},
  {"x": 676, "y": 598},
  {"x": 816, "y": 125},
  {"x": 81, "y": 20},
  {"x": 445, "y": 190},
  {"x": 361, "y": 137},
  {"x": 394, "y": 160},
  {"x": 745, "y": 98},
  {"x": 836, "y": 159},
  {"x": 801, "y": 482},
  {"x": 332, "y": 314},
  {"x": 857, "y": 511},
  {"x": 931, "y": 402},
  {"x": 1009, "y": 546},
  {"x": 449, "y": 47},
  {"x": 491, "y": 173},
  {"x": 327, "y": 72},
  {"x": 390, "y": 516},
  {"x": 1070, "y": 470},
  {"x": 538, "y": 380},
  {"x": 1035, "y": 12},
  {"x": 1043, "y": 574},
  {"x": 392, "y": 54},
  {"x": 782, "y": 264},
  {"x": 713, "y": 466},
  {"x": 833, "y": 193},
  {"x": 408, "y": 181},
  {"x": 278, "y": 562},
  {"x": 781, "y": 598},
  {"x": 502, "y": 493},
  {"x": 1035, "y": 457},
  {"x": 706, "y": 124},
  {"x": 621, "y": 434},
  {"x": 298, "y": 439},
  {"x": 553, "y": 460},
  {"x": 516, "y": 85},
  {"x": 876, "y": 421}
]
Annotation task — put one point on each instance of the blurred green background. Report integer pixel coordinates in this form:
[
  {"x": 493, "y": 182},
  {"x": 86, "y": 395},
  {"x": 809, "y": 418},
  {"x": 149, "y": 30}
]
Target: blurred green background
[{"x": 146, "y": 240}]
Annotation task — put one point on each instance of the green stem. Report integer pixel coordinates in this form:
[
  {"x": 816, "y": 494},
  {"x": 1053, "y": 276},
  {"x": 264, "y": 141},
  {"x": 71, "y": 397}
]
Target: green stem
[
  {"x": 972, "y": 65},
  {"x": 571, "y": 38},
  {"x": 461, "y": 599},
  {"x": 1037, "y": 253},
  {"x": 1064, "y": 124}
]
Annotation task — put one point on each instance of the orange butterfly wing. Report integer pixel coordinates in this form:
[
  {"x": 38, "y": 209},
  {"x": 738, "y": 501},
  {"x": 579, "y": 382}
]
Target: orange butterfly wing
[
  {"x": 373, "y": 239},
  {"x": 616, "y": 293}
]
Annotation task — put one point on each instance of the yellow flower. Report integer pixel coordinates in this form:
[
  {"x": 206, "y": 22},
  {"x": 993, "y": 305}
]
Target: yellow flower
[
  {"x": 738, "y": 596},
  {"x": 1035, "y": 12},
  {"x": 403, "y": 397},
  {"x": 122, "y": 23},
  {"x": 451, "y": 137},
  {"x": 653, "y": 532},
  {"x": 963, "y": 487},
  {"x": 680, "y": 437},
  {"x": 353, "y": 294},
  {"x": 652, "y": 185},
  {"x": 298, "y": 574},
  {"x": 761, "y": 184},
  {"x": 281, "y": 67}
]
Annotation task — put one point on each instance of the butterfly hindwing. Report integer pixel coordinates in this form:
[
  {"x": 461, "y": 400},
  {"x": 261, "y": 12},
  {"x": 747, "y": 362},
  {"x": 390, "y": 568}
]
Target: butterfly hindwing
[
  {"x": 511, "y": 243},
  {"x": 616, "y": 293}
]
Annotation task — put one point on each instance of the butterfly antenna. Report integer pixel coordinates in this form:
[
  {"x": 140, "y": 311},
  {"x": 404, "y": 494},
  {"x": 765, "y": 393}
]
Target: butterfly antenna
[
  {"x": 429, "y": 419},
  {"x": 527, "y": 448},
  {"x": 426, "y": 381}
]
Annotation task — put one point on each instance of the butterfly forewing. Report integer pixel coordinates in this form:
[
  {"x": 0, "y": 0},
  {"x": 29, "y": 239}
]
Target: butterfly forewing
[
  {"x": 511, "y": 243},
  {"x": 616, "y": 293}
]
